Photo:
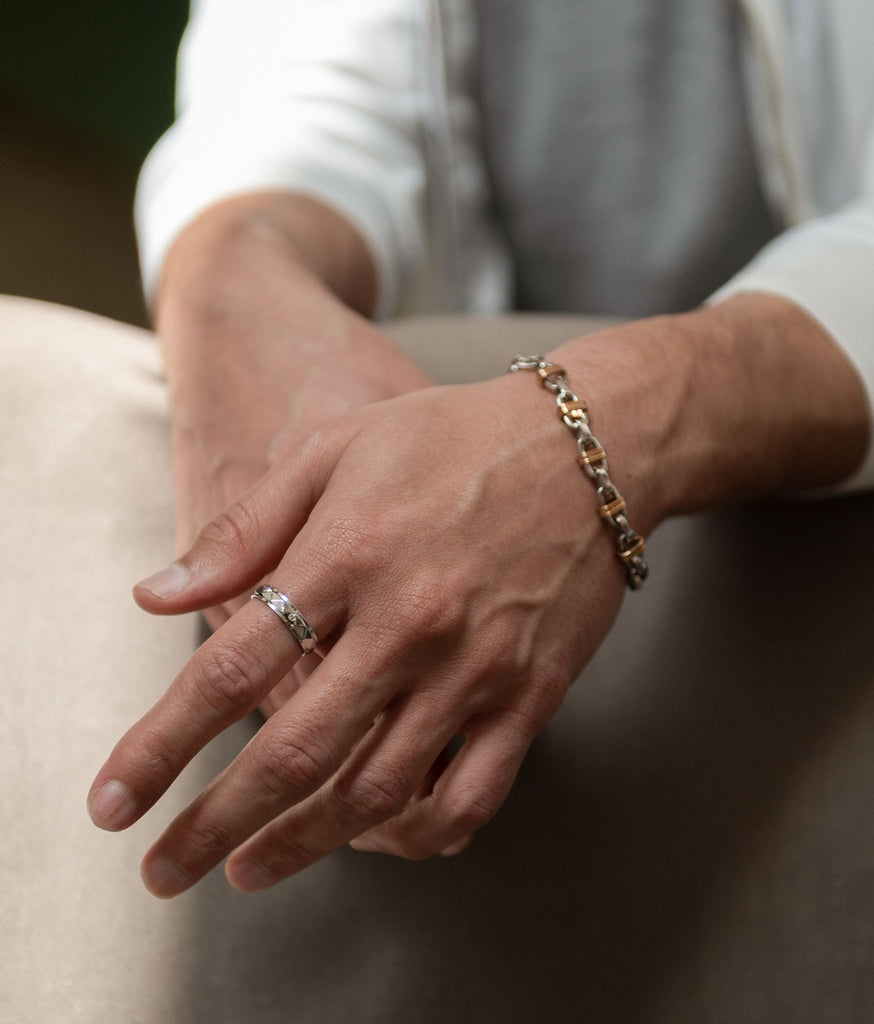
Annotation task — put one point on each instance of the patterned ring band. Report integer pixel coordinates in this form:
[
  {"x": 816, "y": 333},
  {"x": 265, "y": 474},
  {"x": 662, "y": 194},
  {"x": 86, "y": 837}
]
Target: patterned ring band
[{"x": 291, "y": 618}]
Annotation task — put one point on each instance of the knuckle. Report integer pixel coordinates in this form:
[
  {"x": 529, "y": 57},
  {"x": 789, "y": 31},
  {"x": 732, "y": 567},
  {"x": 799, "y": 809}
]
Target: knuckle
[
  {"x": 526, "y": 719},
  {"x": 158, "y": 760},
  {"x": 160, "y": 764},
  {"x": 432, "y": 603},
  {"x": 287, "y": 765},
  {"x": 354, "y": 542},
  {"x": 290, "y": 852},
  {"x": 231, "y": 529},
  {"x": 545, "y": 695},
  {"x": 228, "y": 680},
  {"x": 413, "y": 847},
  {"x": 349, "y": 548},
  {"x": 372, "y": 794},
  {"x": 208, "y": 840},
  {"x": 471, "y": 808},
  {"x": 507, "y": 658}
]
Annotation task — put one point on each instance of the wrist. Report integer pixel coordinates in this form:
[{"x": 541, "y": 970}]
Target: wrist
[
  {"x": 635, "y": 380},
  {"x": 244, "y": 320},
  {"x": 225, "y": 317},
  {"x": 592, "y": 459},
  {"x": 702, "y": 409}
]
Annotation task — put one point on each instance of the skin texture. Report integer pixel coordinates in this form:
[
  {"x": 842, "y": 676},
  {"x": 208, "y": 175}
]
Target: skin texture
[
  {"x": 441, "y": 539},
  {"x": 259, "y": 349}
]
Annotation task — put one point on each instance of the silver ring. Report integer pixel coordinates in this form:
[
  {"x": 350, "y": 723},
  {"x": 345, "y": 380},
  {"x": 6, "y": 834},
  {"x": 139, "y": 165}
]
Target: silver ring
[{"x": 291, "y": 618}]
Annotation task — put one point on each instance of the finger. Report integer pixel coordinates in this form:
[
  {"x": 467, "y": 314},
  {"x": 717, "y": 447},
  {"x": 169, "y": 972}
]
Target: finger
[
  {"x": 369, "y": 843},
  {"x": 295, "y": 753},
  {"x": 243, "y": 543},
  {"x": 287, "y": 687},
  {"x": 426, "y": 787},
  {"x": 291, "y": 756},
  {"x": 376, "y": 781},
  {"x": 457, "y": 848},
  {"x": 225, "y": 679},
  {"x": 464, "y": 798},
  {"x": 444, "y": 759}
]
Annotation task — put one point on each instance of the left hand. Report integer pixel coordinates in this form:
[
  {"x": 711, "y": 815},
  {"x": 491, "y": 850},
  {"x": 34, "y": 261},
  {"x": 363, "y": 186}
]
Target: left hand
[
  {"x": 259, "y": 347},
  {"x": 446, "y": 549}
]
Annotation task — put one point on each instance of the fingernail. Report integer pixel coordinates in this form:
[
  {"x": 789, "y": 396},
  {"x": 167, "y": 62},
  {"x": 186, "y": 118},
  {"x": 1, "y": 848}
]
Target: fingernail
[
  {"x": 249, "y": 876},
  {"x": 112, "y": 806},
  {"x": 456, "y": 848},
  {"x": 165, "y": 878},
  {"x": 168, "y": 582},
  {"x": 364, "y": 845}
]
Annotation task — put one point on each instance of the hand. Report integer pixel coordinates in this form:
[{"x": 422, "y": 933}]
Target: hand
[
  {"x": 447, "y": 551},
  {"x": 436, "y": 542},
  {"x": 257, "y": 346},
  {"x": 257, "y": 349}
]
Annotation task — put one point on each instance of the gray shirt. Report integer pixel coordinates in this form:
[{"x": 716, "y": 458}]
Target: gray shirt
[{"x": 609, "y": 126}]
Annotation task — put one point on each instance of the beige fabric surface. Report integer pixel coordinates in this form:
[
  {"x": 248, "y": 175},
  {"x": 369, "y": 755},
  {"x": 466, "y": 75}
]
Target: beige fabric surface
[{"x": 690, "y": 842}]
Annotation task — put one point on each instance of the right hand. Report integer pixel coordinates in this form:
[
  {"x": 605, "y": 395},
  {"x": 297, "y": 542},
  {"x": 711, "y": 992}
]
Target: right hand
[{"x": 457, "y": 591}]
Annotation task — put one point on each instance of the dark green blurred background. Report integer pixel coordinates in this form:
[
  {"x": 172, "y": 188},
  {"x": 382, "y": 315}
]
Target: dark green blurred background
[{"x": 85, "y": 89}]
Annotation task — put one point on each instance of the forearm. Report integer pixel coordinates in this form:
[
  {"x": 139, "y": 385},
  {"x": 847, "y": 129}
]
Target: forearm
[
  {"x": 244, "y": 240},
  {"x": 249, "y": 270},
  {"x": 261, "y": 342},
  {"x": 737, "y": 401},
  {"x": 273, "y": 288}
]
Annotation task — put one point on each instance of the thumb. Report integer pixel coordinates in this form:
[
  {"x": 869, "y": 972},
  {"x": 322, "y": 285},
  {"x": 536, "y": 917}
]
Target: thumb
[{"x": 238, "y": 547}]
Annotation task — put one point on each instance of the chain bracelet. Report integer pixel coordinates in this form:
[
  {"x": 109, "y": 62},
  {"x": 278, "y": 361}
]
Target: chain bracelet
[{"x": 574, "y": 413}]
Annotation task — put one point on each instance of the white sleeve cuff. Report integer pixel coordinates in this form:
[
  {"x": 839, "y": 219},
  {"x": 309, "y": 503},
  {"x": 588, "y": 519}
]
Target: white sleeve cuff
[{"x": 186, "y": 174}]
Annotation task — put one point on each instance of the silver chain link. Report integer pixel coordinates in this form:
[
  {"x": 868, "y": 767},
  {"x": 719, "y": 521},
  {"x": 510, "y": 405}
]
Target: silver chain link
[{"x": 592, "y": 458}]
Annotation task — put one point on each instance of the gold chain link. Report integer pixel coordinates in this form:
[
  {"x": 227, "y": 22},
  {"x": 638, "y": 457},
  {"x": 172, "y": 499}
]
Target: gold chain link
[{"x": 592, "y": 458}]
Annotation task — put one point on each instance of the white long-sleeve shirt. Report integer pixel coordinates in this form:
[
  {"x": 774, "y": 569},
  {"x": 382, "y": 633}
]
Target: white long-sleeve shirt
[{"x": 371, "y": 106}]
